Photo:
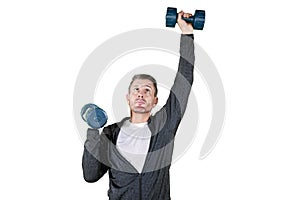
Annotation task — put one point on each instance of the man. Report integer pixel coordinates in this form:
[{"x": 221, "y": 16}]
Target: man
[{"x": 137, "y": 151}]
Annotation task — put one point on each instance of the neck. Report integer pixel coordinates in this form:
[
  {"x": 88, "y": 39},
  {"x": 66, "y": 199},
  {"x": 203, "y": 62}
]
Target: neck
[{"x": 139, "y": 117}]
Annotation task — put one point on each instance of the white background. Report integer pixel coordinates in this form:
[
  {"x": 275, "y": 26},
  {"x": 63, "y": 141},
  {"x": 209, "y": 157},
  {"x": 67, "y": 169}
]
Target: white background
[{"x": 254, "y": 45}]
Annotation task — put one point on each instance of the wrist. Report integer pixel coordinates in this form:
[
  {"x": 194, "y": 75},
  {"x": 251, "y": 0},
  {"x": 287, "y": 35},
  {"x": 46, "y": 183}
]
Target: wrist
[{"x": 187, "y": 32}]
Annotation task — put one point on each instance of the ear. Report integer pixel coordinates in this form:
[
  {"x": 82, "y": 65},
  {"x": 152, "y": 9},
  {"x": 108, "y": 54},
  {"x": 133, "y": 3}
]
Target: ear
[{"x": 155, "y": 101}]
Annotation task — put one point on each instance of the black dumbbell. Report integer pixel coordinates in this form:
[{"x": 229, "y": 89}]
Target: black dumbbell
[
  {"x": 94, "y": 116},
  {"x": 197, "y": 20}
]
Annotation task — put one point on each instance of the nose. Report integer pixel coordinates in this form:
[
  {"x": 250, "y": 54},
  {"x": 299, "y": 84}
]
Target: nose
[{"x": 140, "y": 94}]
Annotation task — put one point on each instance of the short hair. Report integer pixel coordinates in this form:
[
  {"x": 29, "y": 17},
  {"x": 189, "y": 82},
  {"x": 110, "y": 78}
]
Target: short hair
[{"x": 147, "y": 77}]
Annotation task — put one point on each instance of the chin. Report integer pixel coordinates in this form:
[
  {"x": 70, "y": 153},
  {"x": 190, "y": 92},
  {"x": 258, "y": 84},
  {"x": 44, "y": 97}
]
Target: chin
[{"x": 140, "y": 111}]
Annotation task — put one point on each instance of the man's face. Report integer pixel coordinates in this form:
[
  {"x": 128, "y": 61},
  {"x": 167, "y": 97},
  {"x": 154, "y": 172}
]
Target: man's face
[{"x": 141, "y": 97}]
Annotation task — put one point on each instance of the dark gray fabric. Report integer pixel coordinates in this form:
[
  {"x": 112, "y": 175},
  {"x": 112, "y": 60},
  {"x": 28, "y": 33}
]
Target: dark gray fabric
[{"x": 101, "y": 155}]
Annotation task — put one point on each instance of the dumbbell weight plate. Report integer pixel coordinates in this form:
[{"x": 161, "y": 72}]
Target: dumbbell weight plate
[
  {"x": 199, "y": 19},
  {"x": 171, "y": 17},
  {"x": 85, "y": 109}
]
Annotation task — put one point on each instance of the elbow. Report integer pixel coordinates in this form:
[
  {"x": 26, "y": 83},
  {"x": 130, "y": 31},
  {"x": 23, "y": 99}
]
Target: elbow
[
  {"x": 90, "y": 179},
  {"x": 90, "y": 174}
]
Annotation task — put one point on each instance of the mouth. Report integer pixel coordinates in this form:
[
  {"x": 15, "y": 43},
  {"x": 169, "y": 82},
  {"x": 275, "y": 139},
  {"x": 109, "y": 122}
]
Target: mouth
[{"x": 140, "y": 101}]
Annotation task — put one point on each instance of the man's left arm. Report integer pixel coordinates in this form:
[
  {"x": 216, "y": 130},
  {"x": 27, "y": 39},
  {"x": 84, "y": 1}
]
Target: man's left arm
[
  {"x": 181, "y": 88},
  {"x": 172, "y": 112}
]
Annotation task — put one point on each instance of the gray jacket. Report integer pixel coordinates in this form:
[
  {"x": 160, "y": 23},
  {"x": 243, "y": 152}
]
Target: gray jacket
[{"x": 126, "y": 183}]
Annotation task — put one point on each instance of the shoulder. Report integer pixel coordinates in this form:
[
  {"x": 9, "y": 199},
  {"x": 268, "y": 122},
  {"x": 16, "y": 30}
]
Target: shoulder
[
  {"x": 112, "y": 130},
  {"x": 115, "y": 125}
]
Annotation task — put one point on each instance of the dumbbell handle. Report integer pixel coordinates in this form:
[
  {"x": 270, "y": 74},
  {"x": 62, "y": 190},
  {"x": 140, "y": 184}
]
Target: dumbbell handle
[{"x": 188, "y": 20}]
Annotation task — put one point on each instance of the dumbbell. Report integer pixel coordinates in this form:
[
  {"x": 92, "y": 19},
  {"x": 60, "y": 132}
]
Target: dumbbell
[
  {"x": 94, "y": 116},
  {"x": 197, "y": 20}
]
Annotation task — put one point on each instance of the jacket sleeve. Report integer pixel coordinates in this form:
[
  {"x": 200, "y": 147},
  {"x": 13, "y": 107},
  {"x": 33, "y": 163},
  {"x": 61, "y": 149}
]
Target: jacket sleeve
[
  {"x": 172, "y": 112},
  {"x": 93, "y": 168}
]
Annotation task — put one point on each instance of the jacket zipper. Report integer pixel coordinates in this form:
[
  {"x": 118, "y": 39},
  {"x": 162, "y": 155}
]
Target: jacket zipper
[{"x": 140, "y": 180}]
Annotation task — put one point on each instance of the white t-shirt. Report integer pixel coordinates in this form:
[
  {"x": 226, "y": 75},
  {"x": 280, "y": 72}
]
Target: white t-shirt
[{"x": 133, "y": 143}]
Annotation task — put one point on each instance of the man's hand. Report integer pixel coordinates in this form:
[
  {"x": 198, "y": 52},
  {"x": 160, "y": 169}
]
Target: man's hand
[{"x": 185, "y": 27}]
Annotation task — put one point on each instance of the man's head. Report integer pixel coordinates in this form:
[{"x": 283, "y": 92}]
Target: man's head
[{"x": 142, "y": 93}]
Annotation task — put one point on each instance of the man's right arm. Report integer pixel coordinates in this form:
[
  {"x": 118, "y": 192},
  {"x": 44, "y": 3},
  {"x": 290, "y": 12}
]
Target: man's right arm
[{"x": 92, "y": 168}]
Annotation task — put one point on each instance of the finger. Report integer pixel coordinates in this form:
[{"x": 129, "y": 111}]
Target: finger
[
  {"x": 187, "y": 15},
  {"x": 180, "y": 14}
]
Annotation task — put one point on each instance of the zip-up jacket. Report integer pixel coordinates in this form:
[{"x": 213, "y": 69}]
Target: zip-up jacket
[{"x": 153, "y": 183}]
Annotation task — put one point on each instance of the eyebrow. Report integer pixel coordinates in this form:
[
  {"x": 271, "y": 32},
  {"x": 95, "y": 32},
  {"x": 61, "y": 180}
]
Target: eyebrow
[{"x": 143, "y": 86}]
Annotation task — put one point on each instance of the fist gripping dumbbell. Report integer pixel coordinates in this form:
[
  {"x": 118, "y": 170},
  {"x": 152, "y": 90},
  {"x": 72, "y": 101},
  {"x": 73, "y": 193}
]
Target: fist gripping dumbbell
[
  {"x": 94, "y": 116},
  {"x": 197, "y": 20}
]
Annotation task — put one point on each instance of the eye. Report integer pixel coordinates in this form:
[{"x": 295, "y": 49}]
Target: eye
[
  {"x": 135, "y": 90},
  {"x": 147, "y": 91}
]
